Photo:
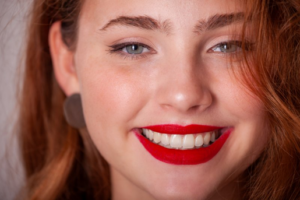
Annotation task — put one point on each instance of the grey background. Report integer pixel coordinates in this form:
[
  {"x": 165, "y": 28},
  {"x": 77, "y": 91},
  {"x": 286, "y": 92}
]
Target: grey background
[{"x": 13, "y": 21}]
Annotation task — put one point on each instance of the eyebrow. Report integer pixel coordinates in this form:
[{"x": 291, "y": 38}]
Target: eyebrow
[
  {"x": 144, "y": 22},
  {"x": 219, "y": 21},
  {"x": 149, "y": 23}
]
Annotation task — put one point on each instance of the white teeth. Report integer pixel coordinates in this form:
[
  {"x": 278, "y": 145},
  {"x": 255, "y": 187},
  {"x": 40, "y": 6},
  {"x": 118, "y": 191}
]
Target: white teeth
[
  {"x": 165, "y": 139},
  {"x": 206, "y": 138},
  {"x": 188, "y": 142},
  {"x": 176, "y": 141},
  {"x": 157, "y": 137},
  {"x": 150, "y": 135},
  {"x": 145, "y": 132},
  {"x": 199, "y": 141}
]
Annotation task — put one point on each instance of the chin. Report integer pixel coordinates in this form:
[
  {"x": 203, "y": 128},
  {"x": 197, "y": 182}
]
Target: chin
[
  {"x": 185, "y": 187},
  {"x": 185, "y": 192}
]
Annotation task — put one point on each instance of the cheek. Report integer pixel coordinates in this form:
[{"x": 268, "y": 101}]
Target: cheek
[
  {"x": 111, "y": 94},
  {"x": 245, "y": 106},
  {"x": 236, "y": 99},
  {"x": 242, "y": 109},
  {"x": 107, "y": 93}
]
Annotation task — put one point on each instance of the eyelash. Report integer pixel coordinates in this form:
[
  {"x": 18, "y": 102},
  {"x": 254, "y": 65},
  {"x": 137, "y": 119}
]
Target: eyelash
[
  {"x": 248, "y": 46},
  {"x": 120, "y": 48}
]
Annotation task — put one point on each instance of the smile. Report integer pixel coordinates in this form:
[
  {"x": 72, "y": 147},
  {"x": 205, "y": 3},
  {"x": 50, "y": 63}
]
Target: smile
[
  {"x": 187, "y": 141},
  {"x": 183, "y": 145}
]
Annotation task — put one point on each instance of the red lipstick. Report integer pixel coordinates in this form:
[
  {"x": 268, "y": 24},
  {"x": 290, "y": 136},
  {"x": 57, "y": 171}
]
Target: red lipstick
[{"x": 184, "y": 157}]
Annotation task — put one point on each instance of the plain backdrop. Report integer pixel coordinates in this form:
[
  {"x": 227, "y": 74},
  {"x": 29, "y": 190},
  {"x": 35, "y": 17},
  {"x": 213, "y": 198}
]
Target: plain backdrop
[{"x": 14, "y": 15}]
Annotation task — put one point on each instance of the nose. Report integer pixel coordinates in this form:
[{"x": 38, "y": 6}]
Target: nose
[{"x": 184, "y": 89}]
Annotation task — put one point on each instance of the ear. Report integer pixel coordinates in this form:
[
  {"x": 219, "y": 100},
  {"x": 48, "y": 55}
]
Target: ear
[{"x": 63, "y": 61}]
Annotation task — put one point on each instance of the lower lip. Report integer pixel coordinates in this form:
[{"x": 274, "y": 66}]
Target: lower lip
[{"x": 184, "y": 157}]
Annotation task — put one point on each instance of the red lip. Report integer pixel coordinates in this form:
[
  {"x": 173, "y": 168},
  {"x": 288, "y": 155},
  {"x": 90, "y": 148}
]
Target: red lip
[
  {"x": 184, "y": 157},
  {"x": 180, "y": 130}
]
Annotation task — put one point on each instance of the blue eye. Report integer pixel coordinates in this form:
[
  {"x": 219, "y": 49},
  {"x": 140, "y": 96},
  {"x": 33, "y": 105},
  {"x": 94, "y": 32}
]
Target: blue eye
[
  {"x": 135, "y": 49},
  {"x": 227, "y": 47},
  {"x": 130, "y": 48}
]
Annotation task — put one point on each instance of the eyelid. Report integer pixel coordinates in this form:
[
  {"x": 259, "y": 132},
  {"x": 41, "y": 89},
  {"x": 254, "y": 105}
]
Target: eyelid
[
  {"x": 118, "y": 50},
  {"x": 120, "y": 46},
  {"x": 246, "y": 44}
]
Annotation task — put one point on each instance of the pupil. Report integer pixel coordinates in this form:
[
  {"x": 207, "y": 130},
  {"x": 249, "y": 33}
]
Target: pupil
[{"x": 134, "y": 47}]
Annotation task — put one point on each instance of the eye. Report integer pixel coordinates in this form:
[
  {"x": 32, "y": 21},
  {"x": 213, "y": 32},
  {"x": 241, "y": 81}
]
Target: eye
[
  {"x": 130, "y": 48},
  {"x": 135, "y": 49},
  {"x": 227, "y": 47}
]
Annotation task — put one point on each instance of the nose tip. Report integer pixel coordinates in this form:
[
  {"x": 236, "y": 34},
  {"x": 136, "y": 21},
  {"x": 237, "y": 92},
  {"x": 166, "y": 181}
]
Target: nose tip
[
  {"x": 184, "y": 86},
  {"x": 186, "y": 97}
]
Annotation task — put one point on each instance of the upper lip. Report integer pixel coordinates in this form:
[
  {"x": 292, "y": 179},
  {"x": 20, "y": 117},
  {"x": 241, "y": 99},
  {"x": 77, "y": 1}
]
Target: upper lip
[{"x": 179, "y": 129}]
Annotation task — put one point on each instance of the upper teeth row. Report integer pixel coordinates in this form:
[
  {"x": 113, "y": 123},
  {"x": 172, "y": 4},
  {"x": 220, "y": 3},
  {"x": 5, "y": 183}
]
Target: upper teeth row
[{"x": 188, "y": 141}]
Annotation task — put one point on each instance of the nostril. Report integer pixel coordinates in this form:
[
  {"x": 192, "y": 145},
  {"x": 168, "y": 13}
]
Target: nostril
[{"x": 195, "y": 107}]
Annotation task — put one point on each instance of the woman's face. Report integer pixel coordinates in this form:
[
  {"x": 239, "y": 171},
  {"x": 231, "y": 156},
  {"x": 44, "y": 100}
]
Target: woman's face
[{"x": 164, "y": 66}]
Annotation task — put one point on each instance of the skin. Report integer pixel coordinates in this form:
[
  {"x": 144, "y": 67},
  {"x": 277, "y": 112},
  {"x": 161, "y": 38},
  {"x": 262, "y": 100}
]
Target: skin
[{"x": 177, "y": 80}]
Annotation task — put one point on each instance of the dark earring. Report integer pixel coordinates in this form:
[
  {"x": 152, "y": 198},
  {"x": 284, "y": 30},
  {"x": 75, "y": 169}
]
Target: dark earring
[{"x": 73, "y": 111}]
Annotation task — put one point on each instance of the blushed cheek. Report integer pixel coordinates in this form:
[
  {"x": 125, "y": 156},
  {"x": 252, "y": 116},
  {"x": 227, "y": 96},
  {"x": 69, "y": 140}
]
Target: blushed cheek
[
  {"x": 248, "y": 104},
  {"x": 236, "y": 97},
  {"x": 111, "y": 94}
]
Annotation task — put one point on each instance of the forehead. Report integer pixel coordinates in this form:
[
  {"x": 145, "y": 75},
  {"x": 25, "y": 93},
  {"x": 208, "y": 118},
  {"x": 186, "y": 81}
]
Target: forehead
[{"x": 181, "y": 12}]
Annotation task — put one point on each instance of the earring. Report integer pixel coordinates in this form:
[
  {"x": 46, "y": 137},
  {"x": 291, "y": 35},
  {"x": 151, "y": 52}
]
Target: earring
[{"x": 73, "y": 111}]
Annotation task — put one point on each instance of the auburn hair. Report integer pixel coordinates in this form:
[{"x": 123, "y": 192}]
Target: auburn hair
[
  {"x": 63, "y": 163},
  {"x": 60, "y": 161}
]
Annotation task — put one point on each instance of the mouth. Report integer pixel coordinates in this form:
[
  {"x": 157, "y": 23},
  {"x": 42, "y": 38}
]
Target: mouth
[{"x": 183, "y": 145}]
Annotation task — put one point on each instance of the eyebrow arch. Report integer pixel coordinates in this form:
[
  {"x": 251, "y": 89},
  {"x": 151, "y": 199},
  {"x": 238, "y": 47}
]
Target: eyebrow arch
[
  {"x": 219, "y": 21},
  {"x": 149, "y": 23},
  {"x": 144, "y": 22}
]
